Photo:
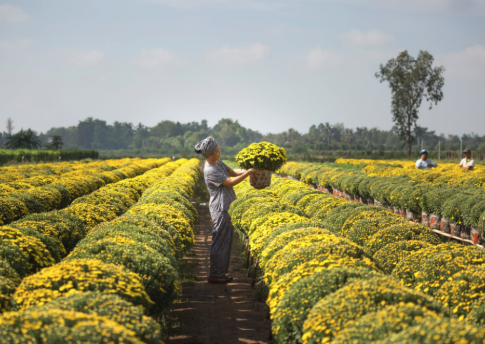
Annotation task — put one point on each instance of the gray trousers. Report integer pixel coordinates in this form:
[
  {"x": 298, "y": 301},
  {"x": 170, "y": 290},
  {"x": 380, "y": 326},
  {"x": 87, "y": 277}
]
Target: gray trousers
[{"x": 222, "y": 233}]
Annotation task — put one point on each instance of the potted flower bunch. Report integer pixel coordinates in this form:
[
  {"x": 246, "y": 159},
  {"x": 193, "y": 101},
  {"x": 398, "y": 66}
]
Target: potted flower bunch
[{"x": 263, "y": 156}]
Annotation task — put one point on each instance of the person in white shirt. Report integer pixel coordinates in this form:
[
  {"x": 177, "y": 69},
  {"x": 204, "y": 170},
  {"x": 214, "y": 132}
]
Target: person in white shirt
[
  {"x": 467, "y": 163},
  {"x": 424, "y": 163}
]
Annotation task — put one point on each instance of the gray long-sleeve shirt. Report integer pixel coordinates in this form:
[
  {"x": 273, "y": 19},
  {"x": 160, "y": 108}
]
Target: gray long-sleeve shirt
[
  {"x": 423, "y": 164},
  {"x": 221, "y": 196}
]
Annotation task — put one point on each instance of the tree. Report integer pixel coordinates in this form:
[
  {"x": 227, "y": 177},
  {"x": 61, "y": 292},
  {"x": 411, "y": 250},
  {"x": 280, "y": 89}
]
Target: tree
[
  {"x": 410, "y": 80},
  {"x": 57, "y": 142},
  {"x": 9, "y": 125},
  {"x": 23, "y": 139}
]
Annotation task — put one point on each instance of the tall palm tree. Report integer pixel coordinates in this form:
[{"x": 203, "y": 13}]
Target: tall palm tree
[{"x": 23, "y": 139}]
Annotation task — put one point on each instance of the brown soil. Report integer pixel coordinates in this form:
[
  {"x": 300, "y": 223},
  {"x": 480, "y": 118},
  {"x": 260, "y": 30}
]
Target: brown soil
[{"x": 218, "y": 313}]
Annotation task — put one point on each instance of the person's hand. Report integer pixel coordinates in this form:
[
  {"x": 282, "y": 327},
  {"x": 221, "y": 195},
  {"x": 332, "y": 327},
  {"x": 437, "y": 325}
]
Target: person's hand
[
  {"x": 255, "y": 171},
  {"x": 430, "y": 164}
]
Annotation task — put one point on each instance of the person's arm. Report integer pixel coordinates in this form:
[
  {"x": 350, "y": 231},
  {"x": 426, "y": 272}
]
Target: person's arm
[
  {"x": 420, "y": 165},
  {"x": 235, "y": 172},
  {"x": 432, "y": 163},
  {"x": 468, "y": 166},
  {"x": 236, "y": 180}
]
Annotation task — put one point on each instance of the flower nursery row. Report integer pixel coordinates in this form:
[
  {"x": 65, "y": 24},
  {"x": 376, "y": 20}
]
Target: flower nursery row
[
  {"x": 121, "y": 270},
  {"x": 43, "y": 193},
  {"x": 455, "y": 205},
  {"x": 38, "y": 155},
  {"x": 345, "y": 272}
]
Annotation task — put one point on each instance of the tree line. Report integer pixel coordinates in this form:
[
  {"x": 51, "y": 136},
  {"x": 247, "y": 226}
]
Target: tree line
[
  {"x": 410, "y": 79},
  {"x": 174, "y": 137}
]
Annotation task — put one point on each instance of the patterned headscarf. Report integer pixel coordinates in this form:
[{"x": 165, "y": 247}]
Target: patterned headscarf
[{"x": 206, "y": 147}]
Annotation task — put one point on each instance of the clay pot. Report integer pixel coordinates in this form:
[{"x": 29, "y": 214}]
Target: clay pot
[
  {"x": 445, "y": 226},
  {"x": 434, "y": 221}
]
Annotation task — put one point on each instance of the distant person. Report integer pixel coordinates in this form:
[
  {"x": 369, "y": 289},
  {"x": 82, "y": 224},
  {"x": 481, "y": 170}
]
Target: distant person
[
  {"x": 467, "y": 163},
  {"x": 424, "y": 163}
]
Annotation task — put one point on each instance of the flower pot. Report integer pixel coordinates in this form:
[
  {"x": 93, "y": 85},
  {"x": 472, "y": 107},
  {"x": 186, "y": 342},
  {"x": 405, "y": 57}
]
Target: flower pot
[
  {"x": 425, "y": 218},
  {"x": 455, "y": 230},
  {"x": 377, "y": 203},
  {"x": 336, "y": 192},
  {"x": 402, "y": 212},
  {"x": 475, "y": 235},
  {"x": 434, "y": 221},
  {"x": 445, "y": 226},
  {"x": 465, "y": 233},
  {"x": 413, "y": 217},
  {"x": 395, "y": 210},
  {"x": 260, "y": 181},
  {"x": 325, "y": 190}
]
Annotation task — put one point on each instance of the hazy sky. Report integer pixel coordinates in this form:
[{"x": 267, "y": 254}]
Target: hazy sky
[{"x": 271, "y": 64}]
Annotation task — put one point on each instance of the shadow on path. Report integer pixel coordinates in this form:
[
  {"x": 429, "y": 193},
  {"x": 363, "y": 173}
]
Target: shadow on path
[{"x": 217, "y": 313}]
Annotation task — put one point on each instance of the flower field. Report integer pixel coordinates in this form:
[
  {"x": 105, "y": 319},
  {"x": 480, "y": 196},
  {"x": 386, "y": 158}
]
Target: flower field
[
  {"x": 100, "y": 268},
  {"x": 348, "y": 272},
  {"x": 30, "y": 189}
]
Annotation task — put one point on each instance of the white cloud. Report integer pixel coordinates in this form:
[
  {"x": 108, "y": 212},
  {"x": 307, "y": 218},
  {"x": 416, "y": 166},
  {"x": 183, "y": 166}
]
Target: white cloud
[
  {"x": 468, "y": 64},
  {"x": 371, "y": 38},
  {"x": 323, "y": 60},
  {"x": 238, "y": 57},
  {"x": 155, "y": 59},
  {"x": 84, "y": 58},
  {"x": 468, "y": 6},
  {"x": 12, "y": 14},
  {"x": 9, "y": 46},
  {"x": 318, "y": 60}
]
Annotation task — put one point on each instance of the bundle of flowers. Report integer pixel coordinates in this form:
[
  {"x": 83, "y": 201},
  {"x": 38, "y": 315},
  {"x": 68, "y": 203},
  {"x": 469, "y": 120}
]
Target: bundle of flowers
[
  {"x": 54, "y": 326},
  {"x": 141, "y": 243},
  {"x": 21, "y": 198},
  {"x": 295, "y": 196},
  {"x": 382, "y": 324},
  {"x": 332, "y": 314},
  {"x": 174, "y": 216},
  {"x": 390, "y": 255},
  {"x": 337, "y": 216},
  {"x": 35, "y": 253},
  {"x": 146, "y": 256},
  {"x": 302, "y": 250},
  {"x": 255, "y": 219},
  {"x": 438, "y": 331},
  {"x": 112, "y": 307},
  {"x": 80, "y": 275},
  {"x": 271, "y": 222},
  {"x": 401, "y": 232},
  {"x": 462, "y": 290},
  {"x": 316, "y": 265},
  {"x": 275, "y": 243},
  {"x": 262, "y": 156},
  {"x": 365, "y": 228},
  {"x": 298, "y": 300}
]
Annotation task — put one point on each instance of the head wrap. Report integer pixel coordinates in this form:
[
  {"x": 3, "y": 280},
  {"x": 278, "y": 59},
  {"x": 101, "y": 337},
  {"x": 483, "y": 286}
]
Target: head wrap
[{"x": 206, "y": 147}]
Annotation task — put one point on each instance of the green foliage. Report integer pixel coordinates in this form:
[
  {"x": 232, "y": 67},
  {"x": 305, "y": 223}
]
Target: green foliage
[
  {"x": 111, "y": 307},
  {"x": 300, "y": 298},
  {"x": 416, "y": 77},
  {"x": 262, "y": 156}
]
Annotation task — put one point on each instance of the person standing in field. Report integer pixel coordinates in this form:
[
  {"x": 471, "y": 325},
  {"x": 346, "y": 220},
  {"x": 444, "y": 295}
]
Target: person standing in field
[
  {"x": 424, "y": 163},
  {"x": 220, "y": 185},
  {"x": 467, "y": 163}
]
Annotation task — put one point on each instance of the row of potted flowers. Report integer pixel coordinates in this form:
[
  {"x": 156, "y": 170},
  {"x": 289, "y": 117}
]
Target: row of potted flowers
[
  {"x": 123, "y": 270},
  {"x": 330, "y": 275}
]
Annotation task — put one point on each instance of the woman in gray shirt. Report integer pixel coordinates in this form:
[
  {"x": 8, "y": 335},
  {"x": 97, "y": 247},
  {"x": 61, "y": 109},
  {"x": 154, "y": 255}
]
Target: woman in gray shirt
[{"x": 220, "y": 185}]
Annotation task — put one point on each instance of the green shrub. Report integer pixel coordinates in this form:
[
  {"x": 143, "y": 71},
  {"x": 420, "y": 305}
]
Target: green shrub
[
  {"x": 111, "y": 307},
  {"x": 300, "y": 298}
]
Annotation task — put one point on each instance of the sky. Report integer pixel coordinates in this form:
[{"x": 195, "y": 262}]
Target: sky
[{"x": 270, "y": 64}]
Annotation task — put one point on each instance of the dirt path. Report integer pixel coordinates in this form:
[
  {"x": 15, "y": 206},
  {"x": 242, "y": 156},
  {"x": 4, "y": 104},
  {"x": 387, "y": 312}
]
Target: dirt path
[{"x": 218, "y": 313}]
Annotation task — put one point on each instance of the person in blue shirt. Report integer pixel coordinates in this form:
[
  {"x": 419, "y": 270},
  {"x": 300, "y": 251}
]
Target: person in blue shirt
[{"x": 424, "y": 163}]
